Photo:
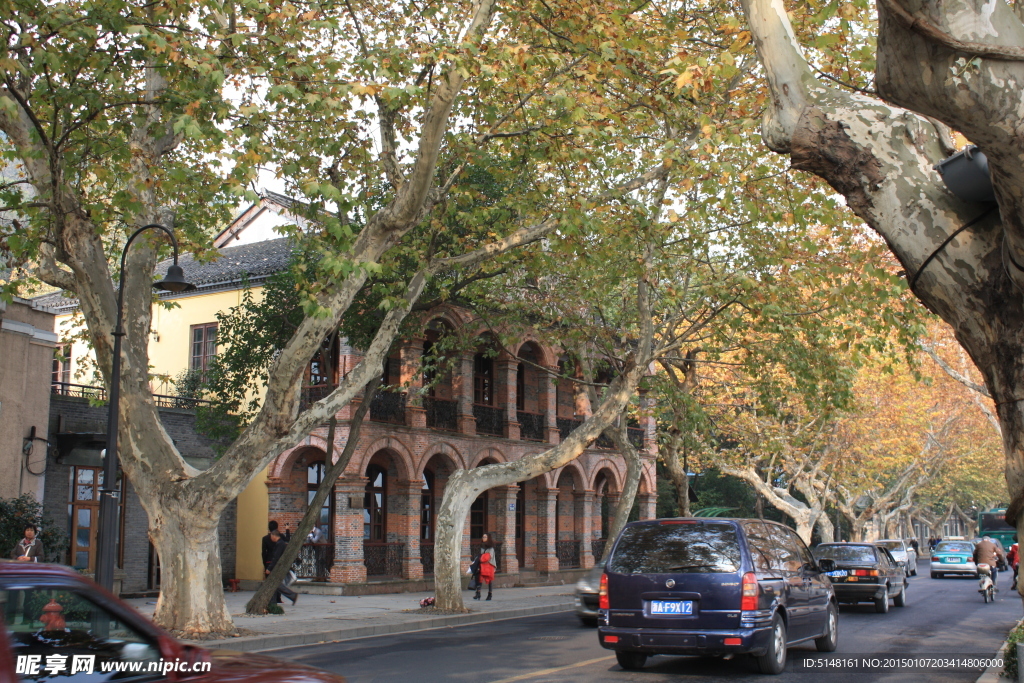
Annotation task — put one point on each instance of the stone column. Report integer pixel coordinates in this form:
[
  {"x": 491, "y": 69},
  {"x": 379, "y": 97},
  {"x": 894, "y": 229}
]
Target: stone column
[
  {"x": 549, "y": 404},
  {"x": 504, "y": 498},
  {"x": 348, "y": 530},
  {"x": 411, "y": 355},
  {"x": 585, "y": 526},
  {"x": 648, "y": 505},
  {"x": 462, "y": 386},
  {"x": 505, "y": 380},
  {"x": 406, "y": 523},
  {"x": 547, "y": 530}
]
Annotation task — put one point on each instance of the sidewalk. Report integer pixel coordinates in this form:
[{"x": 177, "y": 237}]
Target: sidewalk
[{"x": 319, "y": 618}]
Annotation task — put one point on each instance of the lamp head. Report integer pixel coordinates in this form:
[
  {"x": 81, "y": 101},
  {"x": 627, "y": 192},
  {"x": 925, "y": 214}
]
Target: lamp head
[{"x": 174, "y": 281}]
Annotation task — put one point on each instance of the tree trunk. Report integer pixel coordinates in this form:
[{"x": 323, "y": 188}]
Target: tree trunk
[
  {"x": 676, "y": 468},
  {"x": 826, "y": 529},
  {"x": 634, "y": 468}
]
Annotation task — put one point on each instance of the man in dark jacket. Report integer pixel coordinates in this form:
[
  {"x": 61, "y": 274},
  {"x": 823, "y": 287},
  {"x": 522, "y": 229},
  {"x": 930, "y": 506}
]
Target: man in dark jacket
[
  {"x": 30, "y": 548},
  {"x": 268, "y": 545},
  {"x": 279, "y": 545},
  {"x": 990, "y": 553}
]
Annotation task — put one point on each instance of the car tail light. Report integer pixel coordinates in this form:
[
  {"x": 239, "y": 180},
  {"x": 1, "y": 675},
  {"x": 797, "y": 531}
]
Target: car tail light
[
  {"x": 602, "y": 594},
  {"x": 865, "y": 572},
  {"x": 611, "y": 639},
  {"x": 732, "y": 641},
  {"x": 749, "y": 600}
]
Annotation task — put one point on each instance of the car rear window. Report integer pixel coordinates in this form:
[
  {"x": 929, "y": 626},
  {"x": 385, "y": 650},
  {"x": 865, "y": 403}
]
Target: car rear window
[
  {"x": 702, "y": 548},
  {"x": 955, "y": 548},
  {"x": 891, "y": 545},
  {"x": 845, "y": 553}
]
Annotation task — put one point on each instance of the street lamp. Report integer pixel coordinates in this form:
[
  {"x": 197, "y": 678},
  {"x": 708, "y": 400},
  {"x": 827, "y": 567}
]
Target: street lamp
[{"x": 174, "y": 281}]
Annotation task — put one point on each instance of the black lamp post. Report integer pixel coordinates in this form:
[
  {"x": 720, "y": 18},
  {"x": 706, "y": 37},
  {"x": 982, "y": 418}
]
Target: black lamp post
[{"x": 174, "y": 281}]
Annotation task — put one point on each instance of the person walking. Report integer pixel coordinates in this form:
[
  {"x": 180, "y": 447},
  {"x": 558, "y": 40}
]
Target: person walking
[
  {"x": 488, "y": 565},
  {"x": 279, "y": 546},
  {"x": 267, "y": 550},
  {"x": 28, "y": 549}
]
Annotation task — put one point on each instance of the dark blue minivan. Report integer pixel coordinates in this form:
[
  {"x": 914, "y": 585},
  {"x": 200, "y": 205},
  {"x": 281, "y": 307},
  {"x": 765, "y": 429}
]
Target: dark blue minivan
[{"x": 711, "y": 586}]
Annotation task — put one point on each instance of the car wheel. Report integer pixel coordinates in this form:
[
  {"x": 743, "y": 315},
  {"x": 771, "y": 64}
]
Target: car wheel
[
  {"x": 589, "y": 622},
  {"x": 882, "y": 603},
  {"x": 773, "y": 661},
  {"x": 830, "y": 639},
  {"x": 901, "y": 599},
  {"x": 631, "y": 661}
]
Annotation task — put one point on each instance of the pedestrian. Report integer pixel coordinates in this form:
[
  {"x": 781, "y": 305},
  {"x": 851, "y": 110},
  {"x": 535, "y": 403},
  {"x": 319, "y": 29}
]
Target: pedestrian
[
  {"x": 1013, "y": 559},
  {"x": 914, "y": 545},
  {"x": 268, "y": 545},
  {"x": 316, "y": 535},
  {"x": 30, "y": 548},
  {"x": 488, "y": 565},
  {"x": 279, "y": 546}
]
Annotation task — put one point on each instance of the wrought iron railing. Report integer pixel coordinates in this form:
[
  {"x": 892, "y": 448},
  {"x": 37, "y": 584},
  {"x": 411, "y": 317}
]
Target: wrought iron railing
[
  {"x": 315, "y": 561},
  {"x": 100, "y": 394},
  {"x": 474, "y": 550},
  {"x": 597, "y": 548},
  {"x": 311, "y": 395},
  {"x": 603, "y": 442},
  {"x": 427, "y": 557},
  {"x": 568, "y": 554},
  {"x": 565, "y": 426},
  {"x": 636, "y": 437},
  {"x": 388, "y": 406},
  {"x": 532, "y": 427},
  {"x": 441, "y": 414},
  {"x": 383, "y": 559},
  {"x": 489, "y": 420}
]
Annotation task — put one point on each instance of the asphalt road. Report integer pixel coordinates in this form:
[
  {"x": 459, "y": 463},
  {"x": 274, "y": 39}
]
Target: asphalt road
[{"x": 943, "y": 617}]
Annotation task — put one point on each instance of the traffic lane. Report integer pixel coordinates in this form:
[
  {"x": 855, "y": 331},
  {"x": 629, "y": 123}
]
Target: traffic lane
[{"x": 943, "y": 616}]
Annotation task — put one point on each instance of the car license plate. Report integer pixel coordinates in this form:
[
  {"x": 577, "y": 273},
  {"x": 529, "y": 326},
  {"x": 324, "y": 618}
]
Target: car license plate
[
  {"x": 952, "y": 560},
  {"x": 838, "y": 572},
  {"x": 671, "y": 607}
]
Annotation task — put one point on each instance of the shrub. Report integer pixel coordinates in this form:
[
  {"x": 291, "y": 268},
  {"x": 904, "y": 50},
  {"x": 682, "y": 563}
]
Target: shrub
[
  {"x": 1010, "y": 656},
  {"x": 18, "y": 513}
]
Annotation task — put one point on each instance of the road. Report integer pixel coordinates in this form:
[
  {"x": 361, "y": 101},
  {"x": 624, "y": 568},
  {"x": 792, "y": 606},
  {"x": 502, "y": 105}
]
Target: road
[{"x": 943, "y": 616}]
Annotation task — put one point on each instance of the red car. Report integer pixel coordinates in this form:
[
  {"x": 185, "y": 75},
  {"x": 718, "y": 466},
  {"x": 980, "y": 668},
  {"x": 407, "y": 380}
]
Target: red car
[{"x": 59, "y": 623}]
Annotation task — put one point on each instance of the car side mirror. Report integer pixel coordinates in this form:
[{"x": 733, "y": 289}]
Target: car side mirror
[{"x": 827, "y": 565}]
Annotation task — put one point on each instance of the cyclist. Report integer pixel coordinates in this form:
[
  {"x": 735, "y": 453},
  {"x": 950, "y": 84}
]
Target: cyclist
[{"x": 988, "y": 552}]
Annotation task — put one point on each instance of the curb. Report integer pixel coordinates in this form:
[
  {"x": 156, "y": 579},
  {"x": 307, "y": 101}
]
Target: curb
[
  {"x": 275, "y": 641},
  {"x": 994, "y": 674}
]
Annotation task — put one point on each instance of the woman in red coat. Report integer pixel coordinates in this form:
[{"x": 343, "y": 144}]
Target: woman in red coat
[{"x": 488, "y": 564}]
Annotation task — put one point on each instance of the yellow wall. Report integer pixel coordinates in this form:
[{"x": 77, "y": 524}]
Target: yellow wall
[{"x": 169, "y": 354}]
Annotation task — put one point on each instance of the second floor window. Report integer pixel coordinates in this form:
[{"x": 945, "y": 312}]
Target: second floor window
[
  {"x": 483, "y": 380},
  {"x": 204, "y": 346},
  {"x": 62, "y": 364}
]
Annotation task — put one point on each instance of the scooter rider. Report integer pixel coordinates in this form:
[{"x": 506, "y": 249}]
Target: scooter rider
[{"x": 989, "y": 553}]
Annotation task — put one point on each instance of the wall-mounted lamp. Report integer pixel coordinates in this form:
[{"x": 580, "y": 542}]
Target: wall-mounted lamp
[{"x": 966, "y": 175}]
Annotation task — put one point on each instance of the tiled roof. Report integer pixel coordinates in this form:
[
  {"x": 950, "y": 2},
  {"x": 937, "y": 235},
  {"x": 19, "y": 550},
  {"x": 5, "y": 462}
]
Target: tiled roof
[{"x": 256, "y": 261}]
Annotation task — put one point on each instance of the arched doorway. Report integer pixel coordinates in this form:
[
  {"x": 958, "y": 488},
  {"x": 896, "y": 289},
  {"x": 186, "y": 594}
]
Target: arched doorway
[
  {"x": 606, "y": 496},
  {"x": 567, "y": 540},
  {"x": 435, "y": 476},
  {"x": 530, "y": 396},
  {"x": 481, "y": 521},
  {"x": 381, "y": 557}
]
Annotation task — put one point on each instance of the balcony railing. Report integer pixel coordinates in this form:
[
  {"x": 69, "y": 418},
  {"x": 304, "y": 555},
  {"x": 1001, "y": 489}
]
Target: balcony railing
[
  {"x": 441, "y": 414},
  {"x": 568, "y": 554},
  {"x": 636, "y": 437},
  {"x": 565, "y": 426},
  {"x": 489, "y": 420},
  {"x": 315, "y": 561},
  {"x": 383, "y": 559},
  {"x": 427, "y": 557},
  {"x": 311, "y": 395},
  {"x": 100, "y": 394},
  {"x": 474, "y": 550},
  {"x": 388, "y": 406},
  {"x": 597, "y": 548},
  {"x": 532, "y": 427}
]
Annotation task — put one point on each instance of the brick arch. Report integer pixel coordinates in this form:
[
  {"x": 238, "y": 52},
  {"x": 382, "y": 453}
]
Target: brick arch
[
  {"x": 573, "y": 471},
  {"x": 606, "y": 465},
  {"x": 402, "y": 456},
  {"x": 283, "y": 463},
  {"x": 548, "y": 357},
  {"x": 647, "y": 485},
  {"x": 440, "y": 448},
  {"x": 485, "y": 453}
]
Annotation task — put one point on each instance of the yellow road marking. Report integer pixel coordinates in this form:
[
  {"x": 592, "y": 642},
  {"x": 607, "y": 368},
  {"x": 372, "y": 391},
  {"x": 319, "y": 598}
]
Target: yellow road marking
[{"x": 544, "y": 672}]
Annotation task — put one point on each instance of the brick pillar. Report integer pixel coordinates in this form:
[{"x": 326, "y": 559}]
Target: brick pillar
[
  {"x": 648, "y": 505},
  {"x": 585, "y": 526},
  {"x": 348, "y": 530},
  {"x": 547, "y": 530},
  {"x": 648, "y": 423},
  {"x": 411, "y": 355},
  {"x": 504, "y": 498},
  {"x": 505, "y": 374},
  {"x": 462, "y": 386},
  {"x": 406, "y": 522},
  {"x": 549, "y": 404}
]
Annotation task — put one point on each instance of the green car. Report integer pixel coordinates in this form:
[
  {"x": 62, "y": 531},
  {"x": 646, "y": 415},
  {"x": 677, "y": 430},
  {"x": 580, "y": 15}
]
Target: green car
[{"x": 953, "y": 557}]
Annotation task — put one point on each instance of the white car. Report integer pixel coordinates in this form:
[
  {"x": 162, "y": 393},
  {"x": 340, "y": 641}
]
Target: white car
[{"x": 902, "y": 552}]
